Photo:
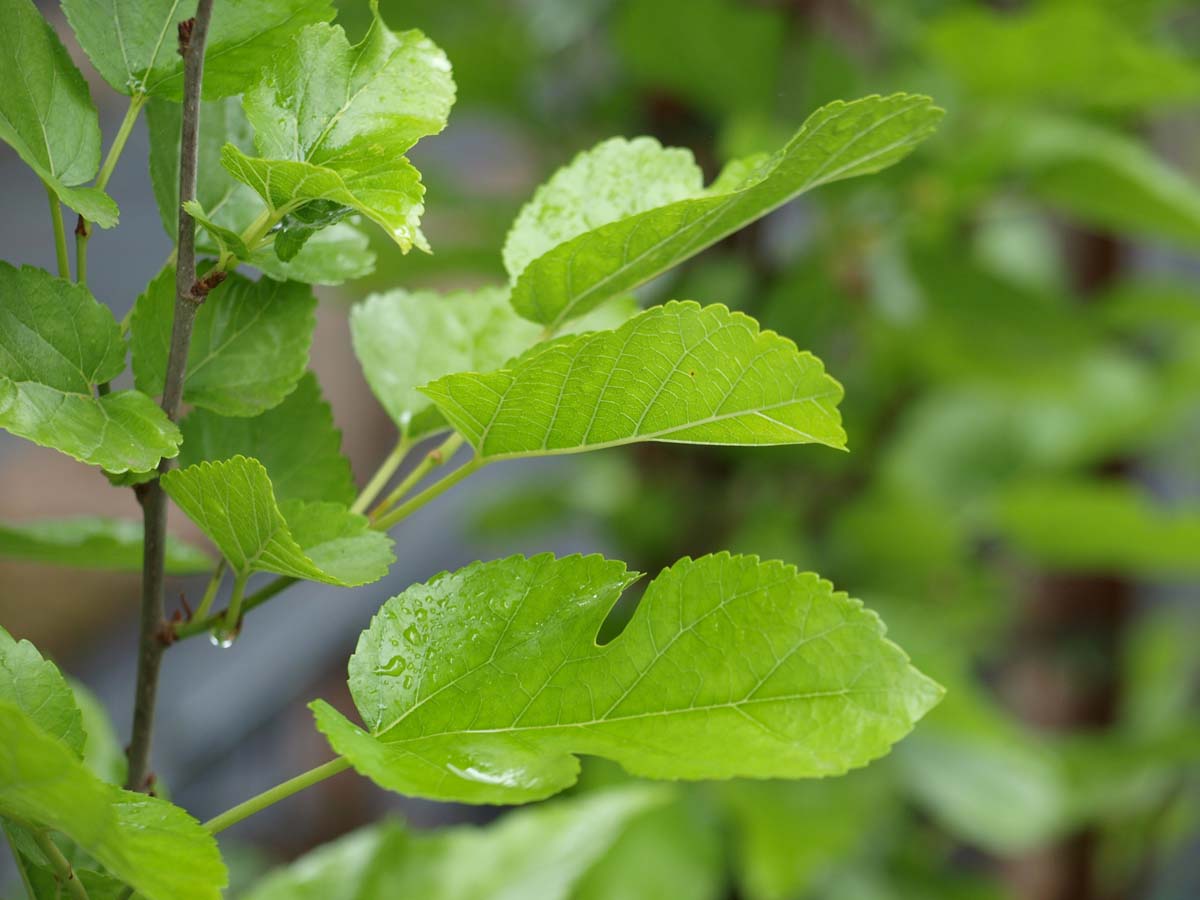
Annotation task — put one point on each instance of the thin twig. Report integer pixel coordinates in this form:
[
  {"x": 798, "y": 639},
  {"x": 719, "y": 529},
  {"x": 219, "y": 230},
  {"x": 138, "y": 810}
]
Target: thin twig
[
  {"x": 63, "y": 872},
  {"x": 154, "y": 631}
]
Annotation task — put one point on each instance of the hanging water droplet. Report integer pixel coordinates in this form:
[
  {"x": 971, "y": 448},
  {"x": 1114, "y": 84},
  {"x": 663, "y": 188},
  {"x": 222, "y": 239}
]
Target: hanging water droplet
[
  {"x": 222, "y": 637},
  {"x": 394, "y": 666}
]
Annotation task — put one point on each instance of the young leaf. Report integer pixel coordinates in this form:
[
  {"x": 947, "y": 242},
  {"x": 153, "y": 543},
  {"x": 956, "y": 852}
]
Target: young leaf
[
  {"x": 46, "y": 112},
  {"x": 93, "y": 542},
  {"x": 482, "y": 685},
  {"x": 332, "y": 121},
  {"x": 226, "y": 208},
  {"x": 241, "y": 324},
  {"x": 56, "y": 343},
  {"x": 615, "y": 179},
  {"x": 134, "y": 44},
  {"x": 537, "y": 853},
  {"x": 405, "y": 339},
  {"x": 35, "y": 686},
  {"x": 296, "y": 441},
  {"x": 840, "y": 140},
  {"x": 677, "y": 373},
  {"x": 234, "y": 504}
]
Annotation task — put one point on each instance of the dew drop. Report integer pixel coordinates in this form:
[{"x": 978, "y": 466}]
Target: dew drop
[
  {"x": 222, "y": 637},
  {"x": 394, "y": 666},
  {"x": 408, "y": 682},
  {"x": 412, "y": 635}
]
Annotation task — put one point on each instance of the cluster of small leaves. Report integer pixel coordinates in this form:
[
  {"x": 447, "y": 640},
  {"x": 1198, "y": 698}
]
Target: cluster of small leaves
[{"x": 481, "y": 685}]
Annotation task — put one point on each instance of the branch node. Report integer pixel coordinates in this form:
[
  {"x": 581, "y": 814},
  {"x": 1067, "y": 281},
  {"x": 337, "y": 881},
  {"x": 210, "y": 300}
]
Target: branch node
[
  {"x": 82, "y": 229},
  {"x": 185, "y": 35},
  {"x": 204, "y": 285}
]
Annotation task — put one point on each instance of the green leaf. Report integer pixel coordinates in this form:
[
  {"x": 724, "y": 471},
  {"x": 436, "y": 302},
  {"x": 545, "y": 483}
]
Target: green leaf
[
  {"x": 36, "y": 687},
  {"x": 134, "y": 44},
  {"x": 677, "y": 373},
  {"x": 1098, "y": 527},
  {"x": 332, "y": 122},
  {"x": 234, "y": 504},
  {"x": 482, "y": 685},
  {"x": 405, "y": 339},
  {"x": 93, "y": 542},
  {"x": 44, "y": 784},
  {"x": 615, "y": 179},
  {"x": 536, "y": 853},
  {"x": 670, "y": 851},
  {"x": 226, "y": 208},
  {"x": 103, "y": 752},
  {"x": 838, "y": 141},
  {"x": 239, "y": 325},
  {"x": 296, "y": 441},
  {"x": 1103, "y": 178},
  {"x": 56, "y": 343},
  {"x": 1072, "y": 54},
  {"x": 46, "y": 112}
]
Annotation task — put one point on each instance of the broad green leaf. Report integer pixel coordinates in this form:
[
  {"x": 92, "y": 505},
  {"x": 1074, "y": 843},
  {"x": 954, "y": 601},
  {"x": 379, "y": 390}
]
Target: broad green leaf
[
  {"x": 240, "y": 325},
  {"x": 405, "y": 339},
  {"x": 840, "y": 140},
  {"x": 482, "y": 685},
  {"x": 234, "y": 504},
  {"x": 46, "y": 112},
  {"x": 44, "y": 784},
  {"x": 534, "y": 853},
  {"x": 677, "y": 373},
  {"x": 615, "y": 179},
  {"x": 1103, "y": 178},
  {"x": 134, "y": 44},
  {"x": 1098, "y": 527},
  {"x": 332, "y": 122},
  {"x": 93, "y": 542},
  {"x": 296, "y": 441},
  {"x": 36, "y": 687},
  {"x": 1071, "y": 54},
  {"x": 227, "y": 207},
  {"x": 56, "y": 343}
]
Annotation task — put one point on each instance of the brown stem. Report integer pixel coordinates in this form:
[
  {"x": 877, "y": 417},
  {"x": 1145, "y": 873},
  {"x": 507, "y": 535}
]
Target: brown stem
[{"x": 192, "y": 36}]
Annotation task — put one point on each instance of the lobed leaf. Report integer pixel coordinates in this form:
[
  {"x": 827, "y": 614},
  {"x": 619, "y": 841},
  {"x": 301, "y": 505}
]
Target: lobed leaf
[
  {"x": 840, "y": 140},
  {"x": 240, "y": 324},
  {"x": 93, "y": 542},
  {"x": 134, "y": 44},
  {"x": 226, "y": 208},
  {"x": 482, "y": 685},
  {"x": 47, "y": 114},
  {"x": 234, "y": 503},
  {"x": 295, "y": 441},
  {"x": 541, "y": 853},
  {"x": 332, "y": 122},
  {"x": 679, "y": 373}
]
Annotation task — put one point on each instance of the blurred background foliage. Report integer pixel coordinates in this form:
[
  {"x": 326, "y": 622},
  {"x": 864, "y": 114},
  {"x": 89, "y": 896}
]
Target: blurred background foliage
[{"x": 1015, "y": 314}]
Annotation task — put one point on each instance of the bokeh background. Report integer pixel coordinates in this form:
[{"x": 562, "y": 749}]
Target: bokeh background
[{"x": 1015, "y": 314}]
